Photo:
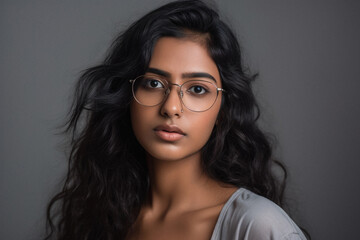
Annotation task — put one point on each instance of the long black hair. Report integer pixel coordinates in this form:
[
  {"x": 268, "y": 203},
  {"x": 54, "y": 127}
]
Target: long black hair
[{"x": 107, "y": 180}]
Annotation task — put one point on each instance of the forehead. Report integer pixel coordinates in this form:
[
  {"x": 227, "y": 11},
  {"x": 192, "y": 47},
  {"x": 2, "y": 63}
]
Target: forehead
[{"x": 180, "y": 56}]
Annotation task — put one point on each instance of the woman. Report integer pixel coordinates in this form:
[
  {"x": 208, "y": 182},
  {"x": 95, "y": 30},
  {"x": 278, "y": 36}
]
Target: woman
[{"x": 165, "y": 143}]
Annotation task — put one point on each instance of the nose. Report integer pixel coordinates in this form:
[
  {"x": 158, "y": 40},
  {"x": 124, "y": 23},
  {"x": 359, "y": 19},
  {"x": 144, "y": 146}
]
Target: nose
[{"x": 172, "y": 106}]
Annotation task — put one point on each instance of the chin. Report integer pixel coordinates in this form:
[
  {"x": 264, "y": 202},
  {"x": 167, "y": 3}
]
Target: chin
[
  {"x": 166, "y": 155},
  {"x": 170, "y": 154}
]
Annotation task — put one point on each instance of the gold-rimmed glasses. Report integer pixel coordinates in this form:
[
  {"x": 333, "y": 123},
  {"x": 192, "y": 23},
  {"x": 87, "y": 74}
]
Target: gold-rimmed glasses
[{"x": 195, "y": 95}]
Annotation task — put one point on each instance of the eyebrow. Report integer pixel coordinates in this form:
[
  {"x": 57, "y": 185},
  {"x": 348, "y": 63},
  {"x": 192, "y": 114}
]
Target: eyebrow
[
  {"x": 158, "y": 72},
  {"x": 184, "y": 75}
]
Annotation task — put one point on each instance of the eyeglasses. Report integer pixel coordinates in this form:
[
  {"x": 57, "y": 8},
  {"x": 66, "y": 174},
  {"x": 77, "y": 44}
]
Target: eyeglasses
[{"x": 196, "y": 95}]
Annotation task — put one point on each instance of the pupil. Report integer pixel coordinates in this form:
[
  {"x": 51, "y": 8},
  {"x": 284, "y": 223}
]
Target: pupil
[
  {"x": 197, "y": 89},
  {"x": 154, "y": 83}
]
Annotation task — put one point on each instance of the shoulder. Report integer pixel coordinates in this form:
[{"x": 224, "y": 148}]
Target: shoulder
[{"x": 249, "y": 216}]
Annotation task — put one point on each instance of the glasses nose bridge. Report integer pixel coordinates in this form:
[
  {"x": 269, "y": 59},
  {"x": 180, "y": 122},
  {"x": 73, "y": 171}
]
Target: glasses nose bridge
[{"x": 167, "y": 92}]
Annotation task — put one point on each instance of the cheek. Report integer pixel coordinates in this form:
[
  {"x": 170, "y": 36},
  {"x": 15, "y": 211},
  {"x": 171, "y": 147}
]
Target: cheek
[
  {"x": 139, "y": 119},
  {"x": 204, "y": 123}
]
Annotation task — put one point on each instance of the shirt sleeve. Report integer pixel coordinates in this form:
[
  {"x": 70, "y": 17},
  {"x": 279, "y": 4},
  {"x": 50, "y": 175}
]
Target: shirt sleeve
[{"x": 252, "y": 217}]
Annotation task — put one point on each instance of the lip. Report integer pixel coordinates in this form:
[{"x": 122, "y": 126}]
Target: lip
[{"x": 169, "y": 133}]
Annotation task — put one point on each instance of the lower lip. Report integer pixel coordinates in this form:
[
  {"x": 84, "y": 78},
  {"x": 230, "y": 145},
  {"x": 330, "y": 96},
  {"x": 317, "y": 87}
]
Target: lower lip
[{"x": 168, "y": 136}]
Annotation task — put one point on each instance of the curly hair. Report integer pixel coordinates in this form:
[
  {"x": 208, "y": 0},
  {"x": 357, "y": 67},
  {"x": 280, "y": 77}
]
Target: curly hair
[{"x": 107, "y": 180}]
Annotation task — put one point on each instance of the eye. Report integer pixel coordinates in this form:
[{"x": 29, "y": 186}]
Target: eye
[
  {"x": 153, "y": 83},
  {"x": 197, "y": 90}
]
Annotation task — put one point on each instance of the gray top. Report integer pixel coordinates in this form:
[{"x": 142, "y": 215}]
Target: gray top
[{"x": 248, "y": 216}]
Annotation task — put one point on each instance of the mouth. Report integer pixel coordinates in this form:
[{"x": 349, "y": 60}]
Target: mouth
[{"x": 169, "y": 133}]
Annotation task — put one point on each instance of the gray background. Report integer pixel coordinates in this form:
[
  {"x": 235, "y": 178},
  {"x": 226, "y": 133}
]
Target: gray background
[{"x": 307, "y": 53}]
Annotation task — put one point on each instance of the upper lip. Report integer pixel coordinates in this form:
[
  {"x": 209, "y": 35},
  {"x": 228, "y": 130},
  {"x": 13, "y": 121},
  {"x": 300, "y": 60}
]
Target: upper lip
[{"x": 169, "y": 128}]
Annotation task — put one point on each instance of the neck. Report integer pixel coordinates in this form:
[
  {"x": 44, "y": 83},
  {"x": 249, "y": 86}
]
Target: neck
[{"x": 177, "y": 185}]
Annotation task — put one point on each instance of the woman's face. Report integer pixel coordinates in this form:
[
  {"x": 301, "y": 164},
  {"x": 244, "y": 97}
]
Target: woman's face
[{"x": 170, "y": 131}]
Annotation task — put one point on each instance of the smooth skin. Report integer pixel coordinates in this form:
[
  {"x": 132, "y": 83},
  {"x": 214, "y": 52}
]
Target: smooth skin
[{"x": 183, "y": 203}]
